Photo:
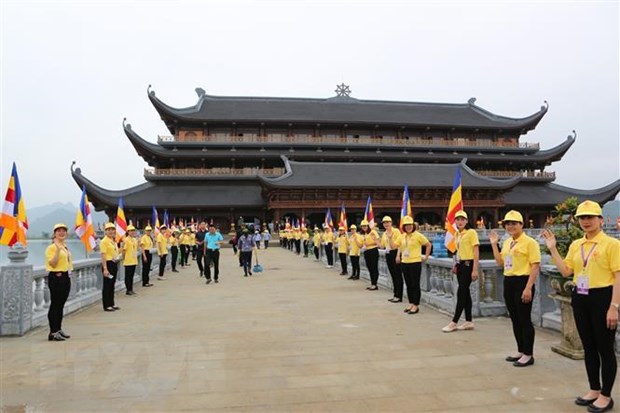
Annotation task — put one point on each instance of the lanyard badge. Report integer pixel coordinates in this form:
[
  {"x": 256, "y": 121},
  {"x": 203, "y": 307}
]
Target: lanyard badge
[{"x": 583, "y": 281}]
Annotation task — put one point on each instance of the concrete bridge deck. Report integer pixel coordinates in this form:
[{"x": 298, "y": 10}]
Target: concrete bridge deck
[{"x": 295, "y": 338}]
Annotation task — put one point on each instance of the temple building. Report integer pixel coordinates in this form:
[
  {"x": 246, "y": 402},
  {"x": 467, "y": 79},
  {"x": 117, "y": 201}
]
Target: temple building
[{"x": 267, "y": 158}]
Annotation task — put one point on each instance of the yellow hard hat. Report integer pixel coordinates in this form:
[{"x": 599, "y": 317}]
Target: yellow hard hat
[
  {"x": 589, "y": 208},
  {"x": 148, "y": 228},
  {"x": 162, "y": 227},
  {"x": 353, "y": 226},
  {"x": 131, "y": 228},
  {"x": 60, "y": 225},
  {"x": 364, "y": 222},
  {"x": 341, "y": 228},
  {"x": 109, "y": 225},
  {"x": 514, "y": 216},
  {"x": 407, "y": 220},
  {"x": 461, "y": 213},
  {"x": 386, "y": 219}
]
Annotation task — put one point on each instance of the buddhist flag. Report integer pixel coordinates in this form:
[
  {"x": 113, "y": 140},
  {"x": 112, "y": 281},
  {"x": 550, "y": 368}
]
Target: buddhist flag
[
  {"x": 120, "y": 222},
  {"x": 369, "y": 215},
  {"x": 303, "y": 222},
  {"x": 405, "y": 207},
  {"x": 13, "y": 221},
  {"x": 329, "y": 222},
  {"x": 166, "y": 219},
  {"x": 342, "y": 222},
  {"x": 84, "y": 228},
  {"x": 456, "y": 204},
  {"x": 155, "y": 221}
]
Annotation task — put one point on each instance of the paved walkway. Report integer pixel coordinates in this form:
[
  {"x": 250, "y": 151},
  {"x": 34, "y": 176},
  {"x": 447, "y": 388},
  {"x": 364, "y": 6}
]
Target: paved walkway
[{"x": 297, "y": 337}]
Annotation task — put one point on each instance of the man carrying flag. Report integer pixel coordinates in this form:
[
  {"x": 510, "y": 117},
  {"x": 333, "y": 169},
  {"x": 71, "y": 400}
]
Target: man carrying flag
[
  {"x": 84, "y": 228},
  {"x": 456, "y": 204},
  {"x": 13, "y": 221}
]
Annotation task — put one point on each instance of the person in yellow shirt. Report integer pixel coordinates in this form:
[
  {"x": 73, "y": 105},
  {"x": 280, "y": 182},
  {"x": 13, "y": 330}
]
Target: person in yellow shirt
[
  {"x": 520, "y": 257},
  {"x": 110, "y": 256},
  {"x": 305, "y": 239},
  {"x": 343, "y": 249},
  {"x": 297, "y": 240},
  {"x": 193, "y": 245},
  {"x": 371, "y": 253},
  {"x": 594, "y": 264},
  {"x": 467, "y": 261},
  {"x": 130, "y": 258},
  {"x": 316, "y": 241},
  {"x": 389, "y": 242},
  {"x": 146, "y": 243},
  {"x": 328, "y": 242},
  {"x": 186, "y": 245},
  {"x": 58, "y": 263},
  {"x": 356, "y": 241},
  {"x": 410, "y": 258},
  {"x": 162, "y": 250},
  {"x": 173, "y": 241}
]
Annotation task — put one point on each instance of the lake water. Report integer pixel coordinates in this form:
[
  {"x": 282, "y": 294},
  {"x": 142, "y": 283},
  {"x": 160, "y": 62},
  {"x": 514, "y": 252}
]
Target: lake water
[{"x": 36, "y": 251}]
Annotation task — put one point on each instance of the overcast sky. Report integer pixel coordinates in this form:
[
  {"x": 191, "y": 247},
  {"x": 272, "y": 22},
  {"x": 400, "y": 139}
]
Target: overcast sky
[{"x": 72, "y": 70}]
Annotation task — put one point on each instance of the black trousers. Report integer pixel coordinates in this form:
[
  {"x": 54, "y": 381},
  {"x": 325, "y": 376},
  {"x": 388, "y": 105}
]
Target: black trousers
[
  {"x": 200, "y": 259},
  {"x": 298, "y": 246},
  {"x": 329, "y": 252},
  {"x": 343, "y": 262},
  {"x": 463, "y": 296},
  {"x": 372, "y": 263},
  {"x": 520, "y": 313},
  {"x": 107, "y": 293},
  {"x": 60, "y": 286},
  {"x": 317, "y": 251},
  {"x": 355, "y": 265},
  {"x": 174, "y": 251},
  {"x": 194, "y": 249},
  {"x": 130, "y": 270},
  {"x": 411, "y": 274},
  {"x": 266, "y": 243},
  {"x": 598, "y": 341},
  {"x": 306, "y": 244},
  {"x": 162, "y": 264},
  {"x": 246, "y": 259},
  {"x": 396, "y": 273},
  {"x": 290, "y": 244},
  {"x": 146, "y": 267},
  {"x": 184, "y": 254},
  {"x": 212, "y": 256}
]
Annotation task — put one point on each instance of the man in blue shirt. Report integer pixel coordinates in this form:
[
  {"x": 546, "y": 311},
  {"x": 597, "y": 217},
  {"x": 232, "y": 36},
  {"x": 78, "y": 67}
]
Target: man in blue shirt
[
  {"x": 245, "y": 244},
  {"x": 212, "y": 242}
]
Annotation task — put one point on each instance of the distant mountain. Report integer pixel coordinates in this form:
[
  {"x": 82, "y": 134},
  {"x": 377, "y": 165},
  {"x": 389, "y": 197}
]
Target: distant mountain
[
  {"x": 611, "y": 210},
  {"x": 42, "y": 219}
]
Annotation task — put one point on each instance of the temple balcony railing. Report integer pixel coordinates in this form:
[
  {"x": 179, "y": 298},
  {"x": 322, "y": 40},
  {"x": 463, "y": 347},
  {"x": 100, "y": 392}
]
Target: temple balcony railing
[
  {"x": 534, "y": 175},
  {"x": 330, "y": 140},
  {"x": 197, "y": 172}
]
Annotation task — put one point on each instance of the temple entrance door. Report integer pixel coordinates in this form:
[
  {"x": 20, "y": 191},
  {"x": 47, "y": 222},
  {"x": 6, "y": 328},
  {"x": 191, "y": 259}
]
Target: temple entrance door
[{"x": 487, "y": 220}]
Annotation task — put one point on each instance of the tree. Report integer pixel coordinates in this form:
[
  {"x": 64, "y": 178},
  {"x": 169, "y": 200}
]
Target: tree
[{"x": 564, "y": 225}]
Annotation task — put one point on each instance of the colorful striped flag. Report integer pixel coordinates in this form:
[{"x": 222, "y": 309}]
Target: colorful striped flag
[
  {"x": 303, "y": 222},
  {"x": 342, "y": 222},
  {"x": 166, "y": 219},
  {"x": 84, "y": 228},
  {"x": 456, "y": 204},
  {"x": 120, "y": 222},
  {"x": 13, "y": 221},
  {"x": 329, "y": 222},
  {"x": 369, "y": 215},
  {"x": 155, "y": 221},
  {"x": 405, "y": 207}
]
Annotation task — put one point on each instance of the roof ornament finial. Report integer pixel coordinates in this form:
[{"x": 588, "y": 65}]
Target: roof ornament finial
[
  {"x": 342, "y": 90},
  {"x": 76, "y": 170},
  {"x": 126, "y": 125},
  {"x": 472, "y": 100},
  {"x": 200, "y": 92},
  {"x": 546, "y": 105},
  {"x": 574, "y": 135},
  {"x": 149, "y": 91}
]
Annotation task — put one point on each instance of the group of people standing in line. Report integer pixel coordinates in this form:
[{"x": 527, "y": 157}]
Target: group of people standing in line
[{"x": 592, "y": 261}]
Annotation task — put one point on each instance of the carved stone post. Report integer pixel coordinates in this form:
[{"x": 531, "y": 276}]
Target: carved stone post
[
  {"x": 16, "y": 293},
  {"x": 570, "y": 346}
]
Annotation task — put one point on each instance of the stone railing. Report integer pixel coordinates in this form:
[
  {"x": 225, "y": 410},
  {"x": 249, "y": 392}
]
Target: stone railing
[
  {"x": 25, "y": 296},
  {"x": 149, "y": 172},
  {"x": 364, "y": 140},
  {"x": 525, "y": 174}
]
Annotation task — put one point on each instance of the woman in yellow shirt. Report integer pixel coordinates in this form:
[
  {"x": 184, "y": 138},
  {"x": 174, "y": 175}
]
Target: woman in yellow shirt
[
  {"x": 109, "y": 263},
  {"x": 467, "y": 260},
  {"x": 305, "y": 238},
  {"x": 389, "y": 242},
  {"x": 130, "y": 258},
  {"x": 162, "y": 250},
  {"x": 371, "y": 253},
  {"x": 316, "y": 240},
  {"x": 343, "y": 249},
  {"x": 520, "y": 257},
  {"x": 173, "y": 241},
  {"x": 146, "y": 243},
  {"x": 594, "y": 263},
  {"x": 58, "y": 263},
  {"x": 410, "y": 258},
  {"x": 328, "y": 241},
  {"x": 356, "y": 241}
]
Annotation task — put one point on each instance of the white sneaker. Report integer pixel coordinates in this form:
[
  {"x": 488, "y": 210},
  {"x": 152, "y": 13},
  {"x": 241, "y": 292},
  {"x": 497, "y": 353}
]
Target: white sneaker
[
  {"x": 161, "y": 278},
  {"x": 468, "y": 325},
  {"x": 450, "y": 327}
]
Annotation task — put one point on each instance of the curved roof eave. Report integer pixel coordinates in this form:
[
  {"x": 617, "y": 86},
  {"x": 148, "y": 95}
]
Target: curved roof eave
[
  {"x": 556, "y": 153},
  {"x": 604, "y": 194}
]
